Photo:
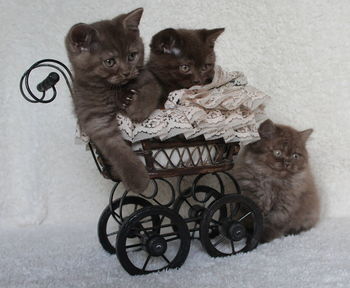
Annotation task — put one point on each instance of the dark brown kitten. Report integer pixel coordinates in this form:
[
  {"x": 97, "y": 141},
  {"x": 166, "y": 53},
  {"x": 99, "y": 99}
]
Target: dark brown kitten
[
  {"x": 182, "y": 58},
  {"x": 107, "y": 59},
  {"x": 274, "y": 172}
]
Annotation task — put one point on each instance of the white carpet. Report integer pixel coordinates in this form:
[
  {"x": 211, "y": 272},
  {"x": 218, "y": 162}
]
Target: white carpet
[{"x": 62, "y": 256}]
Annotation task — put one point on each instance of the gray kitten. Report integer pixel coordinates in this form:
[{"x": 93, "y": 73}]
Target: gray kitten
[
  {"x": 182, "y": 58},
  {"x": 274, "y": 172},
  {"x": 109, "y": 78}
]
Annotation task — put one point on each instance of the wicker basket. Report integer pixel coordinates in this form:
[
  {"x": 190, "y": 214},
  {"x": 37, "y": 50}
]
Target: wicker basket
[{"x": 178, "y": 156}]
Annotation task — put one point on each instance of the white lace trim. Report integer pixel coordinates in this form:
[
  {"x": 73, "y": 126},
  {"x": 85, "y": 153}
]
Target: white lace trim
[{"x": 227, "y": 108}]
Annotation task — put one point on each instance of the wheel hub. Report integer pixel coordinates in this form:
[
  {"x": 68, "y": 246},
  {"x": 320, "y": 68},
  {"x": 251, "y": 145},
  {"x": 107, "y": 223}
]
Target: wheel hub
[
  {"x": 156, "y": 245},
  {"x": 233, "y": 229},
  {"x": 196, "y": 211},
  {"x": 236, "y": 231}
]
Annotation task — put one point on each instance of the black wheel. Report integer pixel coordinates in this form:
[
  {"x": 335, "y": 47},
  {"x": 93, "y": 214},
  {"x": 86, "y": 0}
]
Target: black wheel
[
  {"x": 155, "y": 248},
  {"x": 192, "y": 205},
  {"x": 108, "y": 227},
  {"x": 239, "y": 231}
]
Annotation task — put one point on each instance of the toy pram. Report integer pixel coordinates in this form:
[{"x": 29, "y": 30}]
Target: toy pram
[{"x": 153, "y": 231}]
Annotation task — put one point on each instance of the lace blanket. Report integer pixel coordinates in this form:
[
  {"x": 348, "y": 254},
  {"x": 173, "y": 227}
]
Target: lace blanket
[{"x": 227, "y": 108}]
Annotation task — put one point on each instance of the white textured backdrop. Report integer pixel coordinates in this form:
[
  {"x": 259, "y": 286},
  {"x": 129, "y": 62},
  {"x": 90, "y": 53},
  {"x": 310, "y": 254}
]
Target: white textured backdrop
[{"x": 296, "y": 51}]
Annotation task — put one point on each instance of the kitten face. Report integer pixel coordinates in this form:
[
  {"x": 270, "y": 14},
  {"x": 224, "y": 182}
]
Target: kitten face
[
  {"x": 109, "y": 51},
  {"x": 184, "y": 58},
  {"x": 282, "y": 148}
]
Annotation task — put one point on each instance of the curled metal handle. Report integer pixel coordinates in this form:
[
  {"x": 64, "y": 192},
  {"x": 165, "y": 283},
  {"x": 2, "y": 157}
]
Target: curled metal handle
[{"x": 47, "y": 84}]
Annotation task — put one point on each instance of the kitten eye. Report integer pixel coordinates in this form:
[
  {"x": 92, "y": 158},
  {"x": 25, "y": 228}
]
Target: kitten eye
[
  {"x": 184, "y": 68},
  {"x": 206, "y": 67},
  {"x": 295, "y": 156},
  {"x": 132, "y": 56},
  {"x": 277, "y": 153},
  {"x": 109, "y": 62}
]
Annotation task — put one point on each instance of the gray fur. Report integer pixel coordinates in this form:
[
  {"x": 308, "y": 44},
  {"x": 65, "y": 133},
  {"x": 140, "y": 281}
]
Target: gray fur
[
  {"x": 102, "y": 88},
  {"x": 282, "y": 187}
]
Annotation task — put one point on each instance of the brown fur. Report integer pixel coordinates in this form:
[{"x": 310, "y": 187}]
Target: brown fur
[
  {"x": 107, "y": 59},
  {"x": 174, "y": 50},
  {"x": 281, "y": 185}
]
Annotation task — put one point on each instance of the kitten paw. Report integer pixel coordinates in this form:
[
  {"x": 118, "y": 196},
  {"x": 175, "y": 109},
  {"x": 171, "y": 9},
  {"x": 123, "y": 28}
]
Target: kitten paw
[
  {"x": 126, "y": 99},
  {"x": 132, "y": 172},
  {"x": 135, "y": 177}
]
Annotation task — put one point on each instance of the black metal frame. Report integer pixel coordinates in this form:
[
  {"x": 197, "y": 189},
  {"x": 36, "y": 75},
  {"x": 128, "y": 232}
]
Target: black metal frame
[
  {"x": 220, "y": 158},
  {"x": 175, "y": 189}
]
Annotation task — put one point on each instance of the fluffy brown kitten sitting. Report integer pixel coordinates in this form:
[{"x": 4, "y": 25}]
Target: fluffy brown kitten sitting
[
  {"x": 182, "y": 58},
  {"x": 107, "y": 59},
  {"x": 274, "y": 172}
]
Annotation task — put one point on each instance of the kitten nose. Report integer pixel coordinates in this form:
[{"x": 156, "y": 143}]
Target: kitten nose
[
  {"x": 196, "y": 82},
  {"x": 286, "y": 164},
  {"x": 126, "y": 73}
]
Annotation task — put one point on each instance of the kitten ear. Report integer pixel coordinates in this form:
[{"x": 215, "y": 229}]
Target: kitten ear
[
  {"x": 267, "y": 129},
  {"x": 131, "y": 20},
  {"x": 304, "y": 135},
  {"x": 210, "y": 36},
  {"x": 81, "y": 36},
  {"x": 166, "y": 42}
]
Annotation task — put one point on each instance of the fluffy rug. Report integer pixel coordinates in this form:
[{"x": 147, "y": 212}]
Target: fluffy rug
[{"x": 70, "y": 256}]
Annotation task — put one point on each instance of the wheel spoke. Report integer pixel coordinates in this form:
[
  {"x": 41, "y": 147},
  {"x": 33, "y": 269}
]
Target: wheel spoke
[
  {"x": 222, "y": 238},
  {"x": 116, "y": 215},
  {"x": 146, "y": 221},
  {"x": 233, "y": 247},
  {"x": 216, "y": 222},
  {"x": 188, "y": 203},
  {"x": 172, "y": 239},
  {"x": 155, "y": 200},
  {"x": 231, "y": 209},
  {"x": 161, "y": 220},
  {"x": 246, "y": 215},
  {"x": 146, "y": 262},
  {"x": 136, "y": 205},
  {"x": 209, "y": 202},
  {"x": 194, "y": 230},
  {"x": 133, "y": 245},
  {"x": 143, "y": 229},
  {"x": 158, "y": 227},
  {"x": 166, "y": 259},
  {"x": 112, "y": 233},
  {"x": 168, "y": 234}
]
